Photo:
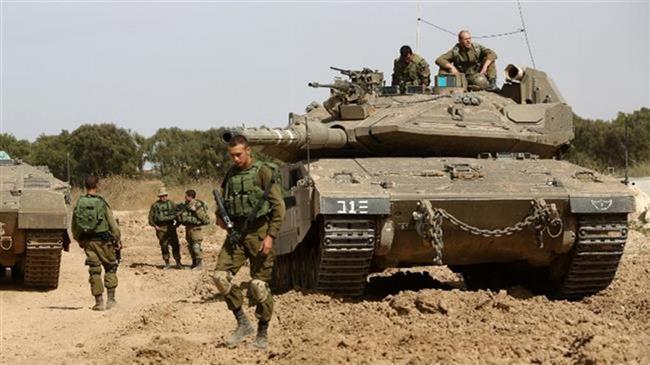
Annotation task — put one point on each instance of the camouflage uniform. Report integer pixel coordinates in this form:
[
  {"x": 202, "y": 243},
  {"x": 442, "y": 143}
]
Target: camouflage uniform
[
  {"x": 247, "y": 186},
  {"x": 162, "y": 215},
  {"x": 194, "y": 222},
  {"x": 414, "y": 73},
  {"x": 99, "y": 249},
  {"x": 470, "y": 61}
]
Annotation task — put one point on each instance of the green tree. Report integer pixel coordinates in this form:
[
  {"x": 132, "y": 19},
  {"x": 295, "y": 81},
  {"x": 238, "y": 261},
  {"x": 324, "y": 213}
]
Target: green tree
[
  {"x": 105, "y": 149},
  {"x": 53, "y": 151},
  {"x": 16, "y": 148}
]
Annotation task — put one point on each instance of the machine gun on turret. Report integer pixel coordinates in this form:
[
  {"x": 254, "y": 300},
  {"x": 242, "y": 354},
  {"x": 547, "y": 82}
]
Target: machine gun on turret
[{"x": 349, "y": 98}]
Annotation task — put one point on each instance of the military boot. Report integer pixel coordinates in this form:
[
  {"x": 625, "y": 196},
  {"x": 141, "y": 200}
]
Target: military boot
[
  {"x": 261, "y": 340},
  {"x": 179, "y": 266},
  {"x": 167, "y": 265},
  {"x": 243, "y": 329},
  {"x": 110, "y": 302},
  {"x": 99, "y": 303},
  {"x": 198, "y": 266},
  {"x": 493, "y": 85}
]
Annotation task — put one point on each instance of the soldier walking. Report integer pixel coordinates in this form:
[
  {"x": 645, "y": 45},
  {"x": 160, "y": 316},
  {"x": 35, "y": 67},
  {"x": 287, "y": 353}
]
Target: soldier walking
[
  {"x": 97, "y": 232},
  {"x": 162, "y": 215},
  {"x": 193, "y": 214},
  {"x": 254, "y": 201}
]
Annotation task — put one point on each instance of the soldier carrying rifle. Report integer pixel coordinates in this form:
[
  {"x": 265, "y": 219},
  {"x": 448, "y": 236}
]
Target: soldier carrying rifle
[{"x": 253, "y": 199}]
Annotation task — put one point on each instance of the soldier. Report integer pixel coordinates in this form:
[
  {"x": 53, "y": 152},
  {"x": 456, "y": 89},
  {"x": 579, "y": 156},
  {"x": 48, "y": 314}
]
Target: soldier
[
  {"x": 97, "y": 232},
  {"x": 161, "y": 216},
  {"x": 473, "y": 60},
  {"x": 193, "y": 214},
  {"x": 410, "y": 69},
  {"x": 254, "y": 201}
]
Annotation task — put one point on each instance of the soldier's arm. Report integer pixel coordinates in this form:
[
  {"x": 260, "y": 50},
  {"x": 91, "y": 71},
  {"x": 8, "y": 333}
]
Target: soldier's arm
[
  {"x": 112, "y": 223},
  {"x": 276, "y": 201},
  {"x": 396, "y": 73},
  {"x": 202, "y": 213},
  {"x": 74, "y": 228},
  {"x": 425, "y": 72},
  {"x": 151, "y": 216},
  {"x": 445, "y": 60}
]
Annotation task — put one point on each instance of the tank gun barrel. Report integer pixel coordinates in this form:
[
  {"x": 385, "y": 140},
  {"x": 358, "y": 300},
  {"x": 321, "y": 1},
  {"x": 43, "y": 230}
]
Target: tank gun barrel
[
  {"x": 296, "y": 135},
  {"x": 341, "y": 85},
  {"x": 342, "y": 70}
]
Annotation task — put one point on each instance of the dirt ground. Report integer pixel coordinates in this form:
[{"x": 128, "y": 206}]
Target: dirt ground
[{"x": 175, "y": 317}]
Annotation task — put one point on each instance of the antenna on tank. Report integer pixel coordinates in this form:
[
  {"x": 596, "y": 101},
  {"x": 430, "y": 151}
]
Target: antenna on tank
[
  {"x": 626, "y": 181},
  {"x": 417, "y": 30},
  {"x": 67, "y": 163}
]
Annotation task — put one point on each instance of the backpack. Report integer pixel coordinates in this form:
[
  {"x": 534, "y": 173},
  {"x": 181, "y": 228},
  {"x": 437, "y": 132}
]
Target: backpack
[{"x": 90, "y": 214}]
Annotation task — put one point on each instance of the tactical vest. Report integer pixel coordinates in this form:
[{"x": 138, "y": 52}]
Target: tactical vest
[
  {"x": 90, "y": 215},
  {"x": 242, "y": 193},
  {"x": 187, "y": 217},
  {"x": 164, "y": 212},
  {"x": 464, "y": 63}
]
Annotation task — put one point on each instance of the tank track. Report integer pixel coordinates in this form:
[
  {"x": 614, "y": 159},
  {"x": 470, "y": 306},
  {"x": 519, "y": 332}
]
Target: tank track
[
  {"x": 596, "y": 255},
  {"x": 347, "y": 246},
  {"x": 43, "y": 259}
]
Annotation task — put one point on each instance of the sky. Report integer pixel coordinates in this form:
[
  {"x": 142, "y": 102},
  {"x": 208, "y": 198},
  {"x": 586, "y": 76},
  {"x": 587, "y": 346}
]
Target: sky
[{"x": 196, "y": 65}]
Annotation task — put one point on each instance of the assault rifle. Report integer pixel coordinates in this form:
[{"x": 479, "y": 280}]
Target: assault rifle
[{"x": 233, "y": 236}]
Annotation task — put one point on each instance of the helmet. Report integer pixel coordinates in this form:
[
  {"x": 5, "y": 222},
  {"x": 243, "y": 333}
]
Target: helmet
[{"x": 477, "y": 82}]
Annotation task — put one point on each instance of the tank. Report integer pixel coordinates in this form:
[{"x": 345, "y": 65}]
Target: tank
[
  {"x": 384, "y": 177},
  {"x": 33, "y": 223}
]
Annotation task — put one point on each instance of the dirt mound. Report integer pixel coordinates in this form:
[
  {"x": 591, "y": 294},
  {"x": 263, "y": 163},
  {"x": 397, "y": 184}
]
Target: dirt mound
[{"x": 419, "y": 316}]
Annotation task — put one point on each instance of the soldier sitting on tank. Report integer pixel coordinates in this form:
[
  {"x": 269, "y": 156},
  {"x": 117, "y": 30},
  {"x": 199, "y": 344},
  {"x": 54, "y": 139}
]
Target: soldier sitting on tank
[
  {"x": 472, "y": 59},
  {"x": 410, "y": 69}
]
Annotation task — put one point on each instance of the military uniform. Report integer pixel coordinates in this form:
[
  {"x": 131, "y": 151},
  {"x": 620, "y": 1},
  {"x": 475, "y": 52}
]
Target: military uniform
[
  {"x": 98, "y": 244},
  {"x": 162, "y": 214},
  {"x": 242, "y": 192},
  {"x": 469, "y": 61},
  {"x": 194, "y": 222},
  {"x": 414, "y": 73}
]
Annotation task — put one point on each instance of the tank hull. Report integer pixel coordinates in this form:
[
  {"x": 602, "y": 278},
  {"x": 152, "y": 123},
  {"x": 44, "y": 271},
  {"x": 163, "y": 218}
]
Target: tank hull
[
  {"x": 484, "y": 201},
  {"x": 33, "y": 224}
]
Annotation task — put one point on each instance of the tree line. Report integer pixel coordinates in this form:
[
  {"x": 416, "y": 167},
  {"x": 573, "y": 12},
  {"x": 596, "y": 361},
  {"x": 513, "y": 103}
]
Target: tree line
[
  {"x": 178, "y": 155},
  {"x": 173, "y": 154}
]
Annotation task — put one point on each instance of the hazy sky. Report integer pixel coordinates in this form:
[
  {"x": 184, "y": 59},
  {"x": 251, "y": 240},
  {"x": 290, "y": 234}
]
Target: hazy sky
[{"x": 146, "y": 65}]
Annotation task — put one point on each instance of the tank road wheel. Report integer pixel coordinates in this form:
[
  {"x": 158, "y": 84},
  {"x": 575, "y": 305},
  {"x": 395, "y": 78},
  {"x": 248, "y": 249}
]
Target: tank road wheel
[
  {"x": 595, "y": 255},
  {"x": 43, "y": 259}
]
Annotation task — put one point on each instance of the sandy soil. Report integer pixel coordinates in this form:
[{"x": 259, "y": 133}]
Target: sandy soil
[{"x": 175, "y": 317}]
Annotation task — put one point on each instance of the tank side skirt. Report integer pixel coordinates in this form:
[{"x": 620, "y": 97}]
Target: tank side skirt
[
  {"x": 43, "y": 259},
  {"x": 347, "y": 246},
  {"x": 596, "y": 255}
]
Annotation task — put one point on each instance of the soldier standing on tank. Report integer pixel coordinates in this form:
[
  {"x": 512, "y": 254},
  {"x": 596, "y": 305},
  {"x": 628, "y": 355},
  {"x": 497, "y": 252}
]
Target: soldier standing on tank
[
  {"x": 251, "y": 192},
  {"x": 472, "y": 59},
  {"x": 97, "y": 232},
  {"x": 410, "y": 69},
  {"x": 162, "y": 215},
  {"x": 193, "y": 214}
]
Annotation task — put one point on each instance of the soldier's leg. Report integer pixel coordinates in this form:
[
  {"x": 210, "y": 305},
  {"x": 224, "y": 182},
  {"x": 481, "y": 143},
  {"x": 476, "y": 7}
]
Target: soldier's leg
[
  {"x": 188, "y": 238},
  {"x": 176, "y": 247},
  {"x": 95, "y": 274},
  {"x": 230, "y": 260},
  {"x": 106, "y": 254},
  {"x": 163, "y": 240},
  {"x": 259, "y": 290},
  {"x": 492, "y": 74}
]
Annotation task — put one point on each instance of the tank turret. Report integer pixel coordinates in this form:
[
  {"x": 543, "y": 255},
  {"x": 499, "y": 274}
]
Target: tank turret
[{"x": 364, "y": 118}]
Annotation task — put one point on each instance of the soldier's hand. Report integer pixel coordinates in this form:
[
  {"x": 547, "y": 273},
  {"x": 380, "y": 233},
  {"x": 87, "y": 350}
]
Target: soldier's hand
[
  {"x": 221, "y": 223},
  {"x": 267, "y": 245},
  {"x": 157, "y": 228}
]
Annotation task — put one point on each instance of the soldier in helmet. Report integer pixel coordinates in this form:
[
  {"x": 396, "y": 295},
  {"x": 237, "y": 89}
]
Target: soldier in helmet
[
  {"x": 253, "y": 199},
  {"x": 193, "y": 214},
  {"x": 96, "y": 230},
  {"x": 410, "y": 69},
  {"x": 162, "y": 215},
  {"x": 472, "y": 59}
]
